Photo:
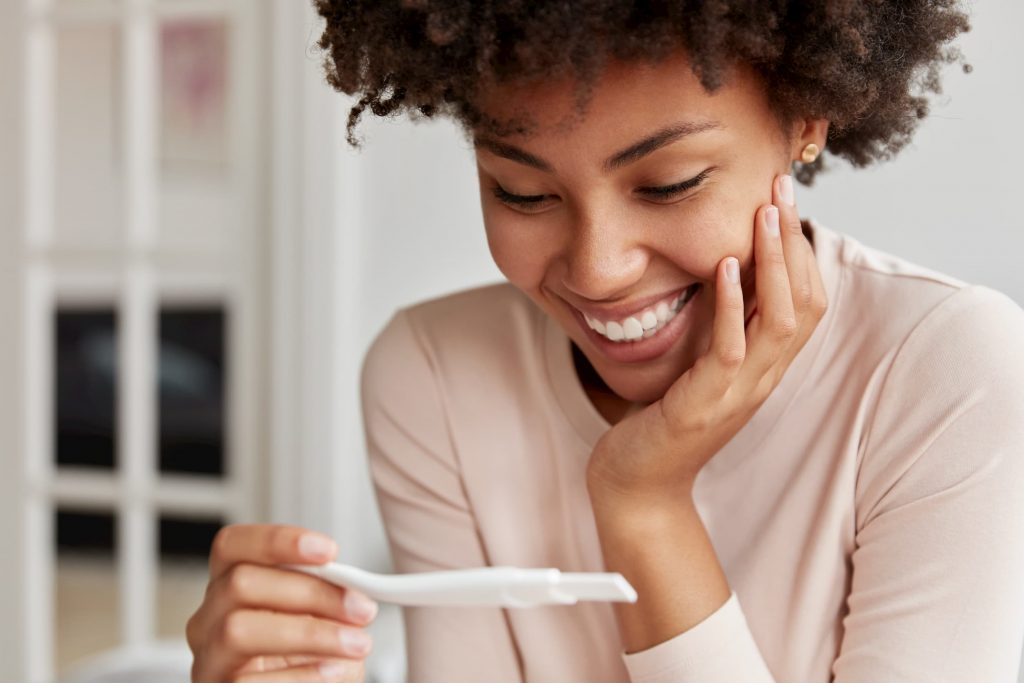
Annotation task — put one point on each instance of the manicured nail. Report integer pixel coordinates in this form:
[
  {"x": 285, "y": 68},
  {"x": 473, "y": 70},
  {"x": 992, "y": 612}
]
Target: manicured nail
[
  {"x": 360, "y": 606},
  {"x": 786, "y": 189},
  {"x": 315, "y": 546},
  {"x": 354, "y": 642},
  {"x": 771, "y": 221},
  {"x": 732, "y": 269}
]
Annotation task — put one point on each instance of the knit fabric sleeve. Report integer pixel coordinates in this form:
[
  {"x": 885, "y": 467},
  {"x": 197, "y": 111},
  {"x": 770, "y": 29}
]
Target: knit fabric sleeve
[{"x": 426, "y": 515}]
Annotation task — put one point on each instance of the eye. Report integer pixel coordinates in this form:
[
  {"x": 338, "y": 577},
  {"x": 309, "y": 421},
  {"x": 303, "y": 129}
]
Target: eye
[
  {"x": 517, "y": 200},
  {"x": 670, "y": 191}
]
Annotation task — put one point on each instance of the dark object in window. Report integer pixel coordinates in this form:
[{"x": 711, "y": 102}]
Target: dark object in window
[
  {"x": 181, "y": 538},
  {"x": 85, "y": 532},
  {"x": 191, "y": 390},
  {"x": 85, "y": 387}
]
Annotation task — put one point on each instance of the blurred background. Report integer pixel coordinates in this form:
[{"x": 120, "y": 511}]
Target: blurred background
[{"x": 193, "y": 262}]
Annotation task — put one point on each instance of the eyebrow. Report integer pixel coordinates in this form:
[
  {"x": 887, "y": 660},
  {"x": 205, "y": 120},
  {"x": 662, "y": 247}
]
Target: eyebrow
[{"x": 628, "y": 155}]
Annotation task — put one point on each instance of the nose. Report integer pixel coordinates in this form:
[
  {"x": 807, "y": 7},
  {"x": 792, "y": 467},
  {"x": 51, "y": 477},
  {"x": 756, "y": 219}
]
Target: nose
[{"x": 604, "y": 259}]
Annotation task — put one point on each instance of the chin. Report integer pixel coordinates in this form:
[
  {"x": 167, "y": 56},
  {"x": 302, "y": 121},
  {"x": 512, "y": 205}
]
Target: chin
[{"x": 641, "y": 390}]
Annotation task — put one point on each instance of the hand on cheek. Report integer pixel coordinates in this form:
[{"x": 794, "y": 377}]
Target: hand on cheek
[{"x": 666, "y": 444}]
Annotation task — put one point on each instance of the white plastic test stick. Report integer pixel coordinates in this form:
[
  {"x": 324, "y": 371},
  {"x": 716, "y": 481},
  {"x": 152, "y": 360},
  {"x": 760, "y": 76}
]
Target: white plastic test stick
[{"x": 483, "y": 586}]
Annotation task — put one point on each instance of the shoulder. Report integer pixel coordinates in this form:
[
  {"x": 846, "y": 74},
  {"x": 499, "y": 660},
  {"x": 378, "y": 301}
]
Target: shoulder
[
  {"x": 878, "y": 301},
  {"x": 934, "y": 363},
  {"x": 880, "y": 296},
  {"x": 464, "y": 332},
  {"x": 951, "y": 404},
  {"x": 486, "y": 311},
  {"x": 966, "y": 348}
]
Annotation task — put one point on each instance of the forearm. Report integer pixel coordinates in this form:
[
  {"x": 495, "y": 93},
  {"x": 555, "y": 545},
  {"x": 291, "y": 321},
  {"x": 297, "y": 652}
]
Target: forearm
[{"x": 664, "y": 551}]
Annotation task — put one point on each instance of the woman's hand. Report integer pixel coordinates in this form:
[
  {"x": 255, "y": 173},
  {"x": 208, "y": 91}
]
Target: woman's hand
[
  {"x": 662, "y": 447},
  {"x": 262, "y": 624}
]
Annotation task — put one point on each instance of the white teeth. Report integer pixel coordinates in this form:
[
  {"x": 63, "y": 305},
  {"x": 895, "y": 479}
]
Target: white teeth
[
  {"x": 649, "y": 320},
  {"x": 662, "y": 312},
  {"x": 639, "y": 327},
  {"x": 632, "y": 329}
]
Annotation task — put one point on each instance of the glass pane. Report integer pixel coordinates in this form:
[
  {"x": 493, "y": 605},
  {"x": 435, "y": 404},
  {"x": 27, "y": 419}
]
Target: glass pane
[
  {"x": 87, "y": 596},
  {"x": 184, "y": 550},
  {"x": 195, "y": 190},
  {"x": 192, "y": 379},
  {"x": 193, "y": 100},
  {"x": 183, "y": 539},
  {"x": 85, "y": 389},
  {"x": 88, "y": 158}
]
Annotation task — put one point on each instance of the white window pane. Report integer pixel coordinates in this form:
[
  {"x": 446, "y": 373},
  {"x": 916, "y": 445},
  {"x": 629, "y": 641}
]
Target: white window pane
[
  {"x": 184, "y": 556},
  {"x": 87, "y": 605},
  {"x": 88, "y": 151},
  {"x": 195, "y": 192},
  {"x": 192, "y": 411},
  {"x": 85, "y": 391}
]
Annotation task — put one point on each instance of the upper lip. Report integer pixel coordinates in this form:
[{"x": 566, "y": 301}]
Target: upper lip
[{"x": 622, "y": 311}]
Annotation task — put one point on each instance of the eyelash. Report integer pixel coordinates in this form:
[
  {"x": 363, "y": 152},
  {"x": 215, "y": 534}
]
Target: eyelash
[{"x": 663, "y": 192}]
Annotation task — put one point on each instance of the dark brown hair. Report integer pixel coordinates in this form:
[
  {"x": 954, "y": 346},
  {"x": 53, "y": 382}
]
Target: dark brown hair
[{"x": 865, "y": 65}]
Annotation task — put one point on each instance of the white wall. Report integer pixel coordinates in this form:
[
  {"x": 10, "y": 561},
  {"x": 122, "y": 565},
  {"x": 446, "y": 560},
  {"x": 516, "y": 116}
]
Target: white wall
[
  {"x": 12, "y": 568},
  {"x": 948, "y": 201},
  {"x": 413, "y": 218}
]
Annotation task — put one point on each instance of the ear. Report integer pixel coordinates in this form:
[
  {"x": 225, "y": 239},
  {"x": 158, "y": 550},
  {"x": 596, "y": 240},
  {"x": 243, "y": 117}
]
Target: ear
[{"x": 807, "y": 131}]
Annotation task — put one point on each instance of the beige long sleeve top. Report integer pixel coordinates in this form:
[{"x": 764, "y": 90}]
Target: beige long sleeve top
[{"x": 869, "y": 517}]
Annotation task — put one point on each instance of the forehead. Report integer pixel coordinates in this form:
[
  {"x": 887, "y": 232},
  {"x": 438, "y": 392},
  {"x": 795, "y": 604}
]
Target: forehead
[{"x": 628, "y": 99}]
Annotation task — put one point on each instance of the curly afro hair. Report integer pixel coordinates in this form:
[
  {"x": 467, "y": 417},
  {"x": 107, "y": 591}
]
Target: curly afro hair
[{"x": 856, "y": 63}]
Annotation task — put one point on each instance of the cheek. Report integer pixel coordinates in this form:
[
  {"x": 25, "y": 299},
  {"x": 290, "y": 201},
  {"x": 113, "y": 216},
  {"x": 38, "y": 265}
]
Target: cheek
[
  {"x": 520, "y": 257},
  {"x": 710, "y": 231}
]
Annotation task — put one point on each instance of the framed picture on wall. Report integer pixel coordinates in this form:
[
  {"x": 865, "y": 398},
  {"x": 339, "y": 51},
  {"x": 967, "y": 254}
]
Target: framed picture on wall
[{"x": 193, "y": 94}]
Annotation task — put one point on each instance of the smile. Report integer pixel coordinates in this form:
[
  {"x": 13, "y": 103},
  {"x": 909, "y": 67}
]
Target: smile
[{"x": 643, "y": 324}]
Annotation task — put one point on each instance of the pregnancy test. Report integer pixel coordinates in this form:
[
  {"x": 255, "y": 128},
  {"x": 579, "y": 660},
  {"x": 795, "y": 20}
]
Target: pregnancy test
[{"x": 479, "y": 587}]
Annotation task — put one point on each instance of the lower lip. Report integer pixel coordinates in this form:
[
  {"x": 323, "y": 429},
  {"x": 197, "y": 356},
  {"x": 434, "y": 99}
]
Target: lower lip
[{"x": 645, "y": 348}]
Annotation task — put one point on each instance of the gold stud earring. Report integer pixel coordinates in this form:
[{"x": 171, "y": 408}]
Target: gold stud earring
[{"x": 810, "y": 153}]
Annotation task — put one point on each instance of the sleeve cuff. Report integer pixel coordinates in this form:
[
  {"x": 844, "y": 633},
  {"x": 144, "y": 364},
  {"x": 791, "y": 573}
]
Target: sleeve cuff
[{"x": 720, "y": 648}]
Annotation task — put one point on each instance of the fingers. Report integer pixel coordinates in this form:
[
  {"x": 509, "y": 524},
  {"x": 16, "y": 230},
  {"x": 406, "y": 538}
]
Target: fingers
[
  {"x": 728, "y": 335},
  {"x": 247, "y": 633},
  {"x": 809, "y": 297},
  {"x": 268, "y": 544},
  {"x": 251, "y": 632},
  {"x": 794, "y": 245},
  {"x": 283, "y": 590},
  {"x": 774, "y": 325},
  {"x": 333, "y": 670},
  {"x": 262, "y": 621}
]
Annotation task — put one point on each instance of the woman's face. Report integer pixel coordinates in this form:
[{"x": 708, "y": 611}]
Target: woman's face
[{"x": 576, "y": 217}]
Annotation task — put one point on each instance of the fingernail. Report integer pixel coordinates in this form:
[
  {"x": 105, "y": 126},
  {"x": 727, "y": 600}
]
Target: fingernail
[
  {"x": 315, "y": 546},
  {"x": 786, "y": 189},
  {"x": 771, "y": 216},
  {"x": 355, "y": 642},
  {"x": 732, "y": 269},
  {"x": 360, "y": 606}
]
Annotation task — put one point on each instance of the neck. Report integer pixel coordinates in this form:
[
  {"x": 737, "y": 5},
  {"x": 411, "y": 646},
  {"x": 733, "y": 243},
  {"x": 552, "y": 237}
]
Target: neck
[{"x": 609, "y": 404}]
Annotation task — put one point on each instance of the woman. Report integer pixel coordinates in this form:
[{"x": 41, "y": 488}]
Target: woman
[{"x": 803, "y": 453}]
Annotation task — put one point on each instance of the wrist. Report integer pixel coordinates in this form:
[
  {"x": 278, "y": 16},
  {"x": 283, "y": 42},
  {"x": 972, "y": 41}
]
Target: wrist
[
  {"x": 619, "y": 510},
  {"x": 606, "y": 486}
]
